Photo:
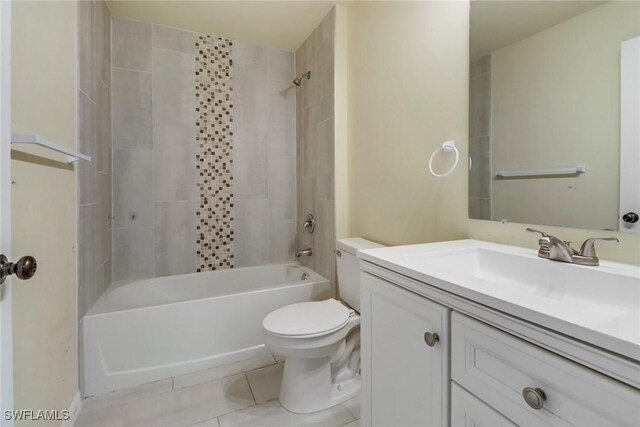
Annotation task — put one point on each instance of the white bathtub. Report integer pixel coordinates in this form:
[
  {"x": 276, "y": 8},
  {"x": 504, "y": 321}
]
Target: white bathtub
[{"x": 158, "y": 328}]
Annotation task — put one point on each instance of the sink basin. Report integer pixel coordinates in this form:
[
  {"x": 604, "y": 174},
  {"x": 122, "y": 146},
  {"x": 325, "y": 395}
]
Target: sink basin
[{"x": 591, "y": 303}]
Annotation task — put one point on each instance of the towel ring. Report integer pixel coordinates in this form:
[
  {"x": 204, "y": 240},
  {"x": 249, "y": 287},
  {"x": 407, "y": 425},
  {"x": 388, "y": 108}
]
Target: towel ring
[{"x": 446, "y": 147}]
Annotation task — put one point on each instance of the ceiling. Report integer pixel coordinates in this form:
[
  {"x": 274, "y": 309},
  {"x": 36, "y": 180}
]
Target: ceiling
[
  {"x": 280, "y": 24},
  {"x": 496, "y": 24}
]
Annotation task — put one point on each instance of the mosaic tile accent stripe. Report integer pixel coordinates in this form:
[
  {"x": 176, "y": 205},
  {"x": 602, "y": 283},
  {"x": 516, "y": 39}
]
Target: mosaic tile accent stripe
[{"x": 214, "y": 154}]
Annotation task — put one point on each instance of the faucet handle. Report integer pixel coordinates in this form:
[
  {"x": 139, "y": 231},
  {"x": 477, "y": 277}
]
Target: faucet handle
[
  {"x": 588, "y": 248},
  {"x": 538, "y": 231}
]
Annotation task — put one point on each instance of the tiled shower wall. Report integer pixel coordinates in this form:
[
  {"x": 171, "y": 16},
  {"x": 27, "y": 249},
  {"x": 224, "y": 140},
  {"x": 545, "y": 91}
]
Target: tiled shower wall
[
  {"x": 315, "y": 146},
  {"x": 480, "y": 138},
  {"x": 264, "y": 166},
  {"x": 156, "y": 197},
  {"x": 154, "y": 187},
  {"x": 94, "y": 139}
]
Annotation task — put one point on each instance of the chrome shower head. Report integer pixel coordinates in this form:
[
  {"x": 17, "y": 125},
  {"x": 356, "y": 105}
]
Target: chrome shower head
[{"x": 298, "y": 80}]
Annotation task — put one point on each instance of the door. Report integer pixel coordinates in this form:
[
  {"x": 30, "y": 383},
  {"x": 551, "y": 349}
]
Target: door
[
  {"x": 405, "y": 365},
  {"x": 630, "y": 135},
  {"x": 6, "y": 359}
]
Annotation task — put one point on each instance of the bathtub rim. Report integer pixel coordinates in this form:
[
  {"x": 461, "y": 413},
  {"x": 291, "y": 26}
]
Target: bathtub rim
[{"x": 314, "y": 277}]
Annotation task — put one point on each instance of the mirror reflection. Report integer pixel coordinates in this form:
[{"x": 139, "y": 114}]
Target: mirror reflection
[{"x": 545, "y": 114}]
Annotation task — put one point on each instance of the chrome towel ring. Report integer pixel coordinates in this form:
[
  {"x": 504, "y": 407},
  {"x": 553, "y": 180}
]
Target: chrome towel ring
[{"x": 446, "y": 147}]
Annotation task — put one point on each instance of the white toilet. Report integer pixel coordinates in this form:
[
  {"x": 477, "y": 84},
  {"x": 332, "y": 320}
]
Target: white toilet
[{"x": 320, "y": 340}]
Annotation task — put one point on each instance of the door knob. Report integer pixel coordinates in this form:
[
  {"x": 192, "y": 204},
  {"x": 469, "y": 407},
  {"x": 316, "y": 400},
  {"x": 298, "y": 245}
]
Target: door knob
[
  {"x": 24, "y": 269},
  {"x": 630, "y": 217},
  {"x": 431, "y": 338}
]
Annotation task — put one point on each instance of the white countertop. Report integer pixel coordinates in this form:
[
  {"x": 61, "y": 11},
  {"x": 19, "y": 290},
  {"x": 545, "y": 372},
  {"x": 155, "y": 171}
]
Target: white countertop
[{"x": 597, "y": 305}]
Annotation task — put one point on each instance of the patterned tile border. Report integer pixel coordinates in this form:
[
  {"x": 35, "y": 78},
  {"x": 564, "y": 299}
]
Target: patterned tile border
[{"x": 214, "y": 154}]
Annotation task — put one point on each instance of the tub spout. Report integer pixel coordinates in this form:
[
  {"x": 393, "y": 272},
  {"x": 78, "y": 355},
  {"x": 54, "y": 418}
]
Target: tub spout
[{"x": 304, "y": 252}]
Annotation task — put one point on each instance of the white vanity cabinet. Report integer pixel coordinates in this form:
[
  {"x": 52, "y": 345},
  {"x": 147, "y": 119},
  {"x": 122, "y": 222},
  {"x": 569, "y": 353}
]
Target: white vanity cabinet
[
  {"x": 484, "y": 369},
  {"x": 405, "y": 379}
]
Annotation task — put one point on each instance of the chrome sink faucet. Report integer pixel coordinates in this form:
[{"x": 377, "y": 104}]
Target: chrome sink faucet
[{"x": 553, "y": 248}]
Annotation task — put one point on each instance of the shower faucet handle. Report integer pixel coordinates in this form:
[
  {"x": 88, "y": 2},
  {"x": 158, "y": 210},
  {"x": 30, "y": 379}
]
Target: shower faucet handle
[{"x": 309, "y": 224}]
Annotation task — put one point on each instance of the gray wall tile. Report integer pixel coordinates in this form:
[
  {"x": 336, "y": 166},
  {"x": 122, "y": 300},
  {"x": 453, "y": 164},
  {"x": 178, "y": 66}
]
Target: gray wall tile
[
  {"x": 480, "y": 172},
  {"x": 251, "y": 232},
  {"x": 131, "y": 109},
  {"x": 175, "y": 238},
  {"x": 315, "y": 140},
  {"x": 281, "y": 101},
  {"x": 480, "y": 179},
  {"x": 479, "y": 208},
  {"x": 174, "y": 172},
  {"x": 86, "y": 257},
  {"x": 280, "y": 64},
  {"x": 307, "y": 137},
  {"x": 103, "y": 278},
  {"x": 131, "y": 44},
  {"x": 103, "y": 212},
  {"x": 103, "y": 41},
  {"x": 250, "y": 96},
  {"x": 282, "y": 187},
  {"x": 250, "y": 176},
  {"x": 103, "y": 128},
  {"x": 94, "y": 139},
  {"x": 264, "y": 165},
  {"x": 325, "y": 80},
  {"x": 173, "y": 39},
  {"x": 282, "y": 240},
  {"x": 173, "y": 96},
  {"x": 246, "y": 53},
  {"x": 133, "y": 188},
  {"x": 326, "y": 156},
  {"x": 86, "y": 49},
  {"x": 326, "y": 240},
  {"x": 132, "y": 253},
  {"x": 87, "y": 145},
  {"x": 307, "y": 204},
  {"x": 174, "y": 125}
]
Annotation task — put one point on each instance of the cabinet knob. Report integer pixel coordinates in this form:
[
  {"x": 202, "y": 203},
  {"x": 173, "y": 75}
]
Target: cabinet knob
[
  {"x": 431, "y": 338},
  {"x": 534, "y": 397}
]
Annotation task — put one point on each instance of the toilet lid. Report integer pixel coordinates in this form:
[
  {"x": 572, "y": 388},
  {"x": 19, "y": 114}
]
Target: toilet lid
[{"x": 307, "y": 318}]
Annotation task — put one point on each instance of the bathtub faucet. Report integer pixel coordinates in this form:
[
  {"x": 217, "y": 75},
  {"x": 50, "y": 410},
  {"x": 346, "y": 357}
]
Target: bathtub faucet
[{"x": 304, "y": 252}]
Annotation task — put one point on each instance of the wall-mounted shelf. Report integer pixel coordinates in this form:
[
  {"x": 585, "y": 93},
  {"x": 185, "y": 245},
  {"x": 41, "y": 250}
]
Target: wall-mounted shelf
[
  {"x": 573, "y": 170},
  {"x": 24, "y": 138}
]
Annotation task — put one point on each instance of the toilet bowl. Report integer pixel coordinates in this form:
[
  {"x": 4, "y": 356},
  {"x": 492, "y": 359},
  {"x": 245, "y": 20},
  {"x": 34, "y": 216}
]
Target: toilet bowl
[{"x": 320, "y": 340}]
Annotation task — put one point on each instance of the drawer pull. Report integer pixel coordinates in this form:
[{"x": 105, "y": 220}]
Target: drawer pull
[
  {"x": 534, "y": 397},
  {"x": 431, "y": 338}
]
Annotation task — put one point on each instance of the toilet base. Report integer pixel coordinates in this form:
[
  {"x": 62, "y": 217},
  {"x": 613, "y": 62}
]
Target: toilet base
[{"x": 307, "y": 386}]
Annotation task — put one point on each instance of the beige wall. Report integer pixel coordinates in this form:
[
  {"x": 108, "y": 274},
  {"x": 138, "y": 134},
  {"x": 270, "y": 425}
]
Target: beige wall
[
  {"x": 407, "y": 93},
  {"x": 407, "y": 85},
  {"x": 556, "y": 103},
  {"x": 43, "y": 204}
]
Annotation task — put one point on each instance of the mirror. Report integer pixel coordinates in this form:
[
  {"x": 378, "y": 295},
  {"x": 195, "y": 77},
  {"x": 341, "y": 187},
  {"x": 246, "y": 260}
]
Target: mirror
[{"x": 545, "y": 113}]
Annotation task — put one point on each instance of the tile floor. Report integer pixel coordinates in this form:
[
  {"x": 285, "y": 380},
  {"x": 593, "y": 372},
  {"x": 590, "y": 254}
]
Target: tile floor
[{"x": 239, "y": 394}]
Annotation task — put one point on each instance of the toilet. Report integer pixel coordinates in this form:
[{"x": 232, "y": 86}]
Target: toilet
[{"x": 320, "y": 340}]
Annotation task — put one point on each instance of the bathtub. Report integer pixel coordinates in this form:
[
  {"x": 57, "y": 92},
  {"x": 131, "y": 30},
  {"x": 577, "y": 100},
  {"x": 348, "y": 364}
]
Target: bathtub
[{"x": 159, "y": 328}]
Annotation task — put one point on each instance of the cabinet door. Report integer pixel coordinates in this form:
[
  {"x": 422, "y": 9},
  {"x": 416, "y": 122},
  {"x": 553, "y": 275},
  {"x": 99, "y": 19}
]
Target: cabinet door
[
  {"x": 469, "y": 411},
  {"x": 405, "y": 381}
]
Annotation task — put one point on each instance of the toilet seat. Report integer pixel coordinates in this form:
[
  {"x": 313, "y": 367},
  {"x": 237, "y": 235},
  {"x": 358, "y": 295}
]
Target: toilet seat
[{"x": 308, "y": 319}]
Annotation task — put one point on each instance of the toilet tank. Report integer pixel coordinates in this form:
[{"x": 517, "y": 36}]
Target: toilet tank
[{"x": 349, "y": 268}]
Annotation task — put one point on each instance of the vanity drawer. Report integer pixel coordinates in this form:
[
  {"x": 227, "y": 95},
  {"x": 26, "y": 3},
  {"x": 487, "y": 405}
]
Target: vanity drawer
[
  {"x": 469, "y": 411},
  {"x": 497, "y": 367}
]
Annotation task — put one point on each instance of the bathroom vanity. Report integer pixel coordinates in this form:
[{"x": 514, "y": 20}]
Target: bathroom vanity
[{"x": 475, "y": 333}]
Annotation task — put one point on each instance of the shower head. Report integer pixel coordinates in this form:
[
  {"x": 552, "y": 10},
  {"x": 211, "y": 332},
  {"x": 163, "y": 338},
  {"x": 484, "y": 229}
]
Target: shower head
[{"x": 298, "y": 80}]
